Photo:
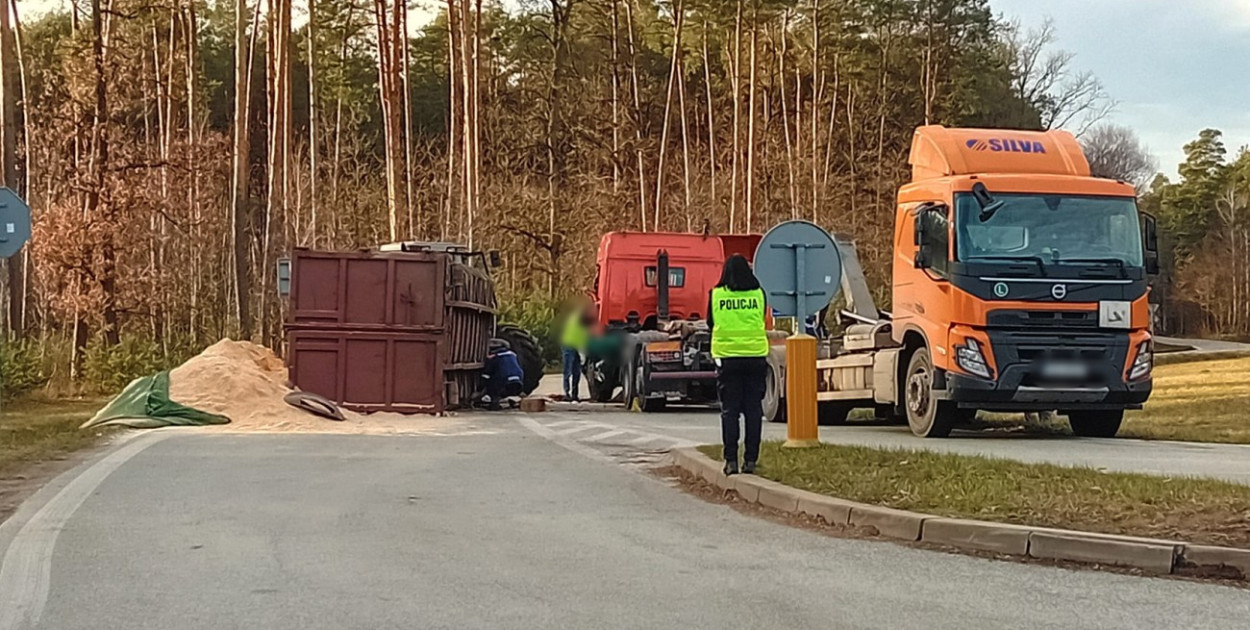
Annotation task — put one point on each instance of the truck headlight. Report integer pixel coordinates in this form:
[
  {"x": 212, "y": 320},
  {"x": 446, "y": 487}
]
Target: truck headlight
[
  {"x": 970, "y": 358},
  {"x": 1143, "y": 363}
]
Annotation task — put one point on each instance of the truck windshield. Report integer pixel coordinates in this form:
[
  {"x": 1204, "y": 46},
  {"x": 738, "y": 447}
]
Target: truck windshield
[{"x": 1050, "y": 229}]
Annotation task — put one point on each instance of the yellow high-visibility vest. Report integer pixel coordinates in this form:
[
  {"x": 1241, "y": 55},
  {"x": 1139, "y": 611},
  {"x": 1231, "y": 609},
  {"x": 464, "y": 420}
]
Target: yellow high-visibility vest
[{"x": 738, "y": 324}]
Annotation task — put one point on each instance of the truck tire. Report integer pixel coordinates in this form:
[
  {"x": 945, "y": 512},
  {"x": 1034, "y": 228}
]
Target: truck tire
[
  {"x": 528, "y": 353},
  {"x": 775, "y": 388},
  {"x": 641, "y": 402},
  {"x": 601, "y": 384},
  {"x": 831, "y": 413},
  {"x": 1103, "y": 423},
  {"x": 926, "y": 415}
]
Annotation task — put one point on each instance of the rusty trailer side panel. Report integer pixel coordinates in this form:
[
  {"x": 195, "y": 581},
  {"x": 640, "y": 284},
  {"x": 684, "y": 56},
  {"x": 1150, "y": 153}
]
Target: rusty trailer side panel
[
  {"x": 367, "y": 290},
  {"x": 370, "y": 371},
  {"x": 388, "y": 331}
]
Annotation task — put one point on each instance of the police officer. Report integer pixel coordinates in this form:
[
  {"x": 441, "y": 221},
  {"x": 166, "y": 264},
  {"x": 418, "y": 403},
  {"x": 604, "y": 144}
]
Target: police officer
[{"x": 740, "y": 347}]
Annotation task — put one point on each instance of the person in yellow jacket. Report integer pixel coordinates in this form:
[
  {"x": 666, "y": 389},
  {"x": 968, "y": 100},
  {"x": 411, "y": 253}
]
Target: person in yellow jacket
[
  {"x": 736, "y": 311},
  {"x": 573, "y": 340}
]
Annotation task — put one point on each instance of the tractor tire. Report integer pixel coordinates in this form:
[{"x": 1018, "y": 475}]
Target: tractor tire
[
  {"x": 528, "y": 353},
  {"x": 1103, "y": 423},
  {"x": 927, "y": 416}
]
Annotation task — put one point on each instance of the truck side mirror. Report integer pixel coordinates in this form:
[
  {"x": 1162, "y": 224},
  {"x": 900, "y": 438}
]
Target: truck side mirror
[
  {"x": 496, "y": 259},
  {"x": 1150, "y": 243}
]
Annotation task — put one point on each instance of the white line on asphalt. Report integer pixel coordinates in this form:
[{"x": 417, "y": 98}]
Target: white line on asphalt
[
  {"x": 576, "y": 447},
  {"x": 26, "y": 570},
  {"x": 563, "y": 423},
  {"x": 606, "y": 435},
  {"x": 584, "y": 427},
  {"x": 646, "y": 439}
]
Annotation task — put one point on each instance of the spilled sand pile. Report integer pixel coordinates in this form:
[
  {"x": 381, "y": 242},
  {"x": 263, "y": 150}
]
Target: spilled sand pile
[{"x": 246, "y": 383}]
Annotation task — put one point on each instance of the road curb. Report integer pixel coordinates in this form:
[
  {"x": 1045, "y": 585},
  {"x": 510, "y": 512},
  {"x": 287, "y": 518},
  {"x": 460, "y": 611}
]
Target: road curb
[{"x": 1146, "y": 554}]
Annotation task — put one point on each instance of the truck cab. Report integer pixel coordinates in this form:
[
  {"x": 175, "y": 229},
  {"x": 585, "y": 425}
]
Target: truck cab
[
  {"x": 1020, "y": 282},
  {"x": 651, "y": 294}
]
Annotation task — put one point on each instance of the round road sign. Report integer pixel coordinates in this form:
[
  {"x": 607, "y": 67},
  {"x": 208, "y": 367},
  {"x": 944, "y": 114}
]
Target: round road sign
[
  {"x": 14, "y": 223},
  {"x": 799, "y": 267}
]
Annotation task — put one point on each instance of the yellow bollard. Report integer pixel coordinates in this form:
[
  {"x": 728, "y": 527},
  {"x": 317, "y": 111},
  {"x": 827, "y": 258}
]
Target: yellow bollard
[{"x": 801, "y": 431}]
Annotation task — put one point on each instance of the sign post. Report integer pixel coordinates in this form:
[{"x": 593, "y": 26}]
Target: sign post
[
  {"x": 800, "y": 269},
  {"x": 14, "y": 226}
]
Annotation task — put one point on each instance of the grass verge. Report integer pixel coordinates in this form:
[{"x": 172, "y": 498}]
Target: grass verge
[
  {"x": 33, "y": 430},
  {"x": 1202, "y": 401},
  {"x": 1193, "y": 401},
  {"x": 981, "y": 488}
]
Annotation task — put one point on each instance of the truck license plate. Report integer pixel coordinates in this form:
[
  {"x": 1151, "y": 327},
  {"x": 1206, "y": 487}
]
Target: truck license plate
[{"x": 1065, "y": 370}]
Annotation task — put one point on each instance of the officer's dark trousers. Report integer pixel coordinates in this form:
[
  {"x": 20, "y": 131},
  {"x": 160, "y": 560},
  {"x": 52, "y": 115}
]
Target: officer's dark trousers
[{"x": 740, "y": 383}]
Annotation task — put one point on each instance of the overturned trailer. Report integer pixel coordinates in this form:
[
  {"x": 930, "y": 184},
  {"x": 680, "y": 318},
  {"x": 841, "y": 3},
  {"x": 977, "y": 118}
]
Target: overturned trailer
[{"x": 400, "y": 328}]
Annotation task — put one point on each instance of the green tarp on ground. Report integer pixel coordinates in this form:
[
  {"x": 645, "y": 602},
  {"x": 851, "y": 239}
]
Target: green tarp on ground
[{"x": 145, "y": 404}]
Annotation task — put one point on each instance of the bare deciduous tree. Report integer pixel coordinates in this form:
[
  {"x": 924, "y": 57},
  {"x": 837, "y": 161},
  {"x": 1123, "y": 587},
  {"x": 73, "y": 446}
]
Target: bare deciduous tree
[{"x": 1115, "y": 152}]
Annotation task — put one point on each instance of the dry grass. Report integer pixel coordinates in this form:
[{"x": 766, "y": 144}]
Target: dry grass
[
  {"x": 33, "y": 430},
  {"x": 1194, "y": 400},
  {"x": 1208, "y": 511},
  {"x": 1202, "y": 401}
]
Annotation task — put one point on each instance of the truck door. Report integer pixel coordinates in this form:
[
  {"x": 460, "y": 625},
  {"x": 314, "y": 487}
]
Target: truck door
[{"x": 921, "y": 268}]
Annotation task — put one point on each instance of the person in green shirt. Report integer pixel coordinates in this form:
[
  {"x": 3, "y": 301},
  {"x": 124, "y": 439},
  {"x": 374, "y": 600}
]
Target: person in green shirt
[
  {"x": 736, "y": 316},
  {"x": 573, "y": 342}
]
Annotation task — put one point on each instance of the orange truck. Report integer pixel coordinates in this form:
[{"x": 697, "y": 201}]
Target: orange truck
[{"x": 1020, "y": 283}]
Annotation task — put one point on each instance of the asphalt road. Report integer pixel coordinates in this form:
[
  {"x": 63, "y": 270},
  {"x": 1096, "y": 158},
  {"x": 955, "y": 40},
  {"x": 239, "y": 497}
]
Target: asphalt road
[
  {"x": 702, "y": 426},
  {"x": 527, "y": 525}
]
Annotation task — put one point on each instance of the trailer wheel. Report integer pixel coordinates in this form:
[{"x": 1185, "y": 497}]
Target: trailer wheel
[
  {"x": 529, "y": 354},
  {"x": 1101, "y": 423},
  {"x": 926, "y": 415}
]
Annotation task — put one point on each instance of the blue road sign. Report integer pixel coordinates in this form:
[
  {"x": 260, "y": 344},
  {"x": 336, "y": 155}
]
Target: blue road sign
[
  {"x": 14, "y": 223},
  {"x": 799, "y": 267}
]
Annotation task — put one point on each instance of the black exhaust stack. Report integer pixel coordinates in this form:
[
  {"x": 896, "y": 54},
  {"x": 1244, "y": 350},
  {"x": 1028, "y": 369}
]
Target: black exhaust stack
[{"x": 661, "y": 286}]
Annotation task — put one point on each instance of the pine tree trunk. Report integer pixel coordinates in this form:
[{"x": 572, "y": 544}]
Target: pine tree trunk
[
  {"x": 450, "y": 206},
  {"x": 711, "y": 126},
  {"x": 9, "y": 158},
  {"x": 750, "y": 175},
  {"x": 736, "y": 83},
  {"x": 633, "y": 78},
  {"x": 668, "y": 103},
  {"x": 314, "y": 145},
  {"x": 241, "y": 153}
]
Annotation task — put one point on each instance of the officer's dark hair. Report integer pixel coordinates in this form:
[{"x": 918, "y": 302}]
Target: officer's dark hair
[{"x": 737, "y": 275}]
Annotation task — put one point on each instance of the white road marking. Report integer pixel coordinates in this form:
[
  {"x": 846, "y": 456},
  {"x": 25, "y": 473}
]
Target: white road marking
[
  {"x": 26, "y": 572},
  {"x": 583, "y": 427},
  {"x": 607, "y": 435}
]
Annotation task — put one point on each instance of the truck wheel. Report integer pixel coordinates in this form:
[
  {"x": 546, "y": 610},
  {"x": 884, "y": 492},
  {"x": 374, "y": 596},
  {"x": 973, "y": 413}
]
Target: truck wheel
[
  {"x": 640, "y": 401},
  {"x": 774, "y": 396},
  {"x": 528, "y": 353},
  {"x": 926, "y": 415},
  {"x": 602, "y": 385},
  {"x": 1101, "y": 423},
  {"x": 831, "y": 413}
]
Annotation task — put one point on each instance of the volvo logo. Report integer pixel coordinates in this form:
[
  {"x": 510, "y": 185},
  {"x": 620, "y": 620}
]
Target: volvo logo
[{"x": 1059, "y": 291}]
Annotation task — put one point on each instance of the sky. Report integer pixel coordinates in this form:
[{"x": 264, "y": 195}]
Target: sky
[{"x": 1175, "y": 67}]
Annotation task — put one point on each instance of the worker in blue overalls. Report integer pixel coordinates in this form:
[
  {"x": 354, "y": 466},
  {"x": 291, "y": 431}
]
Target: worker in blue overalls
[{"x": 502, "y": 374}]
